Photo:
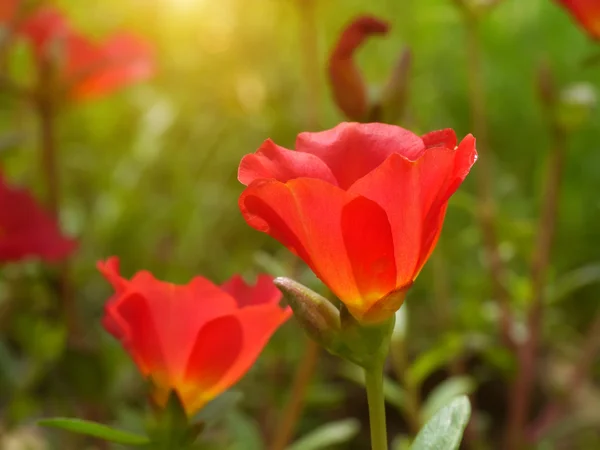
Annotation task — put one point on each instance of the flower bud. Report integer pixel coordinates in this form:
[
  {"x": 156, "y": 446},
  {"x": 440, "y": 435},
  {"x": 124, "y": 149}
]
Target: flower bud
[
  {"x": 315, "y": 313},
  {"x": 349, "y": 89}
]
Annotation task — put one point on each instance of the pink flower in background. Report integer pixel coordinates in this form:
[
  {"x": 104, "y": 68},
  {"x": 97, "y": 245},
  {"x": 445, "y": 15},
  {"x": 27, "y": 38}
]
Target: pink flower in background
[
  {"x": 26, "y": 230},
  {"x": 87, "y": 69}
]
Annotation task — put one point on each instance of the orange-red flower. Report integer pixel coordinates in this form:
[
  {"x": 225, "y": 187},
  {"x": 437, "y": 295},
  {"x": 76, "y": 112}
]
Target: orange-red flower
[
  {"x": 8, "y": 10},
  {"x": 26, "y": 230},
  {"x": 587, "y": 13},
  {"x": 361, "y": 204},
  {"x": 86, "y": 69},
  {"x": 197, "y": 339},
  {"x": 349, "y": 89}
]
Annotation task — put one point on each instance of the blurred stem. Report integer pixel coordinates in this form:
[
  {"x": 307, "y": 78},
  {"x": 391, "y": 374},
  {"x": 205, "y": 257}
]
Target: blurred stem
[
  {"x": 293, "y": 408},
  {"x": 484, "y": 170},
  {"x": 412, "y": 408},
  {"x": 521, "y": 390},
  {"x": 47, "y": 112},
  {"x": 374, "y": 384},
  {"x": 556, "y": 410},
  {"x": 310, "y": 59}
]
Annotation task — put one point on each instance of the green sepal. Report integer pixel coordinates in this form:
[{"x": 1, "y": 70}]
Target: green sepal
[{"x": 171, "y": 428}]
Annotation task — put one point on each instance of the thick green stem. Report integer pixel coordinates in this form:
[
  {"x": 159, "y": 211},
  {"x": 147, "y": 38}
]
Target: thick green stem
[{"x": 374, "y": 383}]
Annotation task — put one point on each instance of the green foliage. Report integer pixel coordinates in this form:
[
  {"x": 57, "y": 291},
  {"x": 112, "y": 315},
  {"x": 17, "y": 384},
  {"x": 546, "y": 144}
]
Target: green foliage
[
  {"x": 444, "y": 430},
  {"x": 96, "y": 430}
]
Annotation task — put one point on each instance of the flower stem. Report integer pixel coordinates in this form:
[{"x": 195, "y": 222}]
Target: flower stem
[{"x": 374, "y": 383}]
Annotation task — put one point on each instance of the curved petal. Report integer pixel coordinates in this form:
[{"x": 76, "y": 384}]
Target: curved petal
[
  {"x": 140, "y": 335},
  {"x": 463, "y": 159},
  {"x": 396, "y": 187},
  {"x": 587, "y": 13},
  {"x": 122, "y": 60},
  {"x": 216, "y": 349},
  {"x": 370, "y": 246},
  {"x": 264, "y": 291},
  {"x": 352, "y": 150},
  {"x": 274, "y": 162},
  {"x": 440, "y": 138},
  {"x": 305, "y": 215},
  {"x": 414, "y": 195},
  {"x": 258, "y": 323}
]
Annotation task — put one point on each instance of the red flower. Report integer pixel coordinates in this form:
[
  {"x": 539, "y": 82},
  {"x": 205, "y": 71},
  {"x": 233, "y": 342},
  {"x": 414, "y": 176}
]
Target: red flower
[
  {"x": 587, "y": 13},
  {"x": 198, "y": 339},
  {"x": 349, "y": 89},
  {"x": 26, "y": 230},
  {"x": 87, "y": 69},
  {"x": 8, "y": 9},
  {"x": 361, "y": 204}
]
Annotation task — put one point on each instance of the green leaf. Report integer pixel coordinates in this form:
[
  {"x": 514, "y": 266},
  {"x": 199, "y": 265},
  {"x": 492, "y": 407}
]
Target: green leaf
[
  {"x": 572, "y": 281},
  {"x": 437, "y": 357},
  {"x": 445, "y": 392},
  {"x": 96, "y": 430},
  {"x": 445, "y": 429},
  {"x": 245, "y": 433},
  {"x": 328, "y": 435}
]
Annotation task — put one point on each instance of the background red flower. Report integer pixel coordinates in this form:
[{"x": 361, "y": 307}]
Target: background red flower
[
  {"x": 86, "y": 68},
  {"x": 197, "y": 339},
  {"x": 26, "y": 230}
]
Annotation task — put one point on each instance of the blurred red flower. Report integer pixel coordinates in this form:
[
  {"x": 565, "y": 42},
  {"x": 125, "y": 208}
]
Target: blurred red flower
[
  {"x": 86, "y": 68},
  {"x": 8, "y": 9},
  {"x": 198, "y": 339},
  {"x": 587, "y": 13},
  {"x": 362, "y": 204},
  {"x": 26, "y": 230},
  {"x": 349, "y": 89}
]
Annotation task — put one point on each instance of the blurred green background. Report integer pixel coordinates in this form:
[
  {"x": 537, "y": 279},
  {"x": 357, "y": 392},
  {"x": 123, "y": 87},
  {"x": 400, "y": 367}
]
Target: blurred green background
[{"x": 149, "y": 174}]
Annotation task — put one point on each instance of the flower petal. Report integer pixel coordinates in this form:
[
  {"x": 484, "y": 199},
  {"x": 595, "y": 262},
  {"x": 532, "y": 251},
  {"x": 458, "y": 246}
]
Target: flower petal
[
  {"x": 27, "y": 230},
  {"x": 305, "y": 215},
  {"x": 440, "y": 138},
  {"x": 352, "y": 150},
  {"x": 281, "y": 164},
  {"x": 258, "y": 323},
  {"x": 587, "y": 13},
  {"x": 216, "y": 348},
  {"x": 370, "y": 246},
  {"x": 264, "y": 291},
  {"x": 123, "y": 60}
]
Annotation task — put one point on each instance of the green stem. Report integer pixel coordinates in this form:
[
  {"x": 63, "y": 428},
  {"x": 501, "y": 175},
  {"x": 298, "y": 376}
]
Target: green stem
[{"x": 374, "y": 383}]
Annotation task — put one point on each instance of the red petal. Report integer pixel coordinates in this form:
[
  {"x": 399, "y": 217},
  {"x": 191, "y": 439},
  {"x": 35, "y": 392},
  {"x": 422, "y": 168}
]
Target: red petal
[
  {"x": 258, "y": 323},
  {"x": 8, "y": 9},
  {"x": 274, "y": 162},
  {"x": 26, "y": 230},
  {"x": 121, "y": 61},
  {"x": 415, "y": 195},
  {"x": 352, "y": 150},
  {"x": 141, "y": 337},
  {"x": 587, "y": 13},
  {"x": 264, "y": 291},
  {"x": 440, "y": 138},
  {"x": 44, "y": 28},
  {"x": 305, "y": 214},
  {"x": 463, "y": 159},
  {"x": 370, "y": 246},
  {"x": 217, "y": 347}
]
